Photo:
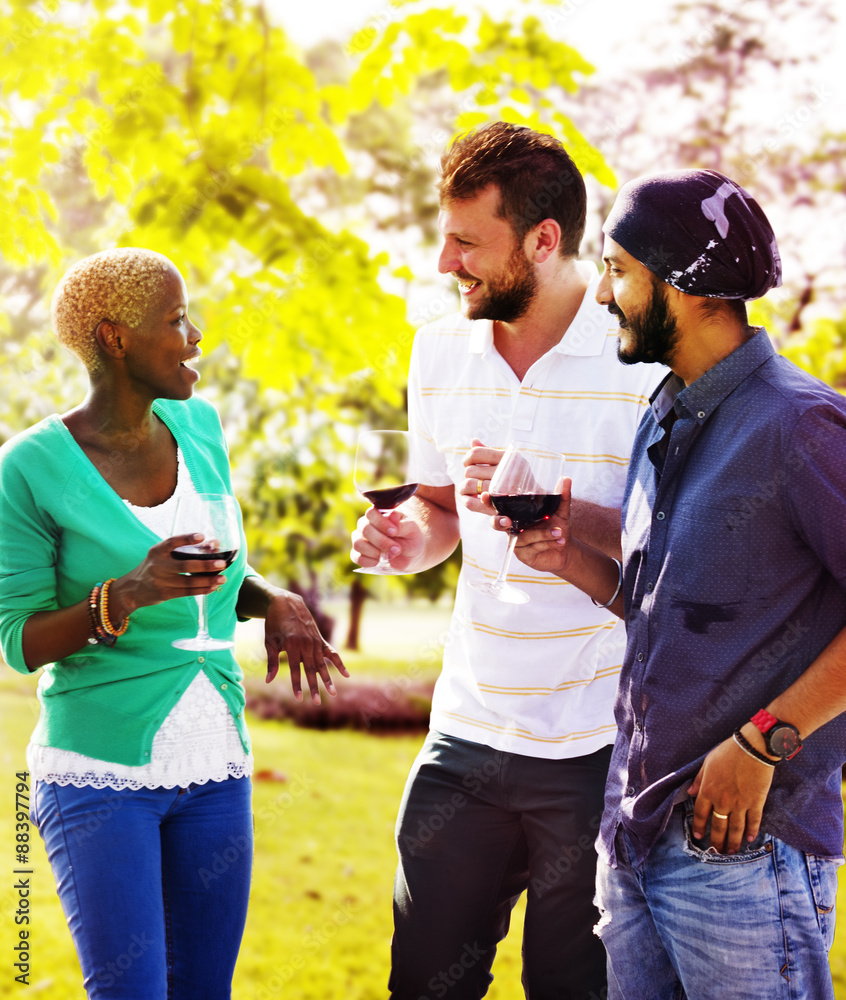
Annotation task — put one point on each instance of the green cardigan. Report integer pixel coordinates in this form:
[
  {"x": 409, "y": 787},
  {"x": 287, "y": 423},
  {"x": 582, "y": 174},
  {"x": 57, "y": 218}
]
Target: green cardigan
[{"x": 63, "y": 529}]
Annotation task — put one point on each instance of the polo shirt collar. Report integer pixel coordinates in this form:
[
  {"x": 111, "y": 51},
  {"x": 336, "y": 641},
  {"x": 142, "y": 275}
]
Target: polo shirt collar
[
  {"x": 481, "y": 336},
  {"x": 585, "y": 336}
]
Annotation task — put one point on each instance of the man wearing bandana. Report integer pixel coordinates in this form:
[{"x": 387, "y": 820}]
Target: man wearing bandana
[{"x": 723, "y": 823}]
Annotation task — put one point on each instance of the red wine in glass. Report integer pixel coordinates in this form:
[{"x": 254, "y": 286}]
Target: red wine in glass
[
  {"x": 525, "y": 487},
  {"x": 381, "y": 476},
  {"x": 205, "y": 553},
  {"x": 526, "y": 509},
  {"x": 215, "y": 516},
  {"x": 392, "y": 497}
]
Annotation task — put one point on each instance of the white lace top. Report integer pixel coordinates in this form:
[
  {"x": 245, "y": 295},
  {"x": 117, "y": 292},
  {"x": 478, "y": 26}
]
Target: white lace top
[{"x": 196, "y": 743}]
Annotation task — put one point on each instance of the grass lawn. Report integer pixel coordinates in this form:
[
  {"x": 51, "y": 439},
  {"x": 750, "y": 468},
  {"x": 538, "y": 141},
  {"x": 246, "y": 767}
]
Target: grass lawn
[{"x": 320, "y": 917}]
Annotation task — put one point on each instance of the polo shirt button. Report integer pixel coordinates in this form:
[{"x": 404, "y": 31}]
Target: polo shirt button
[
  {"x": 640, "y": 657},
  {"x": 660, "y": 515},
  {"x": 201, "y": 659},
  {"x": 223, "y": 687}
]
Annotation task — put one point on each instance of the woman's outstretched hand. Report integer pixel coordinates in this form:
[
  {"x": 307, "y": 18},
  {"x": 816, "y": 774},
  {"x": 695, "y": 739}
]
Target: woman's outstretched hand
[{"x": 290, "y": 629}]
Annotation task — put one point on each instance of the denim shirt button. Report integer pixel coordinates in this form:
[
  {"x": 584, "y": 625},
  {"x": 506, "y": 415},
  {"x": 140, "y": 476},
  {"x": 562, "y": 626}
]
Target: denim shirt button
[
  {"x": 640, "y": 657},
  {"x": 631, "y": 790},
  {"x": 701, "y": 414},
  {"x": 660, "y": 515},
  {"x": 649, "y": 587}
]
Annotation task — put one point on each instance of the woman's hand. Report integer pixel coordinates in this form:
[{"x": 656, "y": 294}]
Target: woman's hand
[
  {"x": 289, "y": 628},
  {"x": 160, "y": 577},
  {"x": 52, "y": 635}
]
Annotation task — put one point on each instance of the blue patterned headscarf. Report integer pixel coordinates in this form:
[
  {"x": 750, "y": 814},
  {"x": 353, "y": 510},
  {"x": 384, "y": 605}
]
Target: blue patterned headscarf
[{"x": 698, "y": 231}]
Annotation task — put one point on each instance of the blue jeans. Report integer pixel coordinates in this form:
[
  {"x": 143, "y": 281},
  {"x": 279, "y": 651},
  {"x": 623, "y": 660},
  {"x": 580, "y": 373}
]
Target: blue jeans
[
  {"x": 153, "y": 883},
  {"x": 476, "y": 828},
  {"x": 704, "y": 926}
]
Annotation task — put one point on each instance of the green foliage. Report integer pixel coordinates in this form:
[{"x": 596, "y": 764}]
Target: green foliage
[
  {"x": 198, "y": 129},
  {"x": 516, "y": 73},
  {"x": 821, "y": 350}
]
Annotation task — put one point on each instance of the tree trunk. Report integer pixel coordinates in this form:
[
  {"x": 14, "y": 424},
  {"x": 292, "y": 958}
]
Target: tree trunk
[
  {"x": 804, "y": 300},
  {"x": 358, "y": 595}
]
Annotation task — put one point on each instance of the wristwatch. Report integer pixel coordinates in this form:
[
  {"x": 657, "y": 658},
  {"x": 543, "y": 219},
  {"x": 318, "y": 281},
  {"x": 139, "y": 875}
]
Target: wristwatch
[{"x": 782, "y": 739}]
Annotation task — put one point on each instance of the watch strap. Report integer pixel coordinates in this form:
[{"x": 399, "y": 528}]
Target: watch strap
[{"x": 763, "y": 720}]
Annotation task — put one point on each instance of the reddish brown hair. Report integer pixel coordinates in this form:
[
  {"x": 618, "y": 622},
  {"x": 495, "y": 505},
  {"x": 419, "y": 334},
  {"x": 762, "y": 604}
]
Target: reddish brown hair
[{"x": 535, "y": 175}]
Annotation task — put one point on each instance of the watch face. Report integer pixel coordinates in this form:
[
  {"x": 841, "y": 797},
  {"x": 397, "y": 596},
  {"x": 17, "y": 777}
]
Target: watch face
[{"x": 783, "y": 741}]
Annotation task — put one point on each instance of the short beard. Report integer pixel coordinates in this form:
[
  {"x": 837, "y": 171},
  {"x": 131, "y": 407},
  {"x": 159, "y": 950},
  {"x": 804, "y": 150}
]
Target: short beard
[
  {"x": 508, "y": 298},
  {"x": 654, "y": 331}
]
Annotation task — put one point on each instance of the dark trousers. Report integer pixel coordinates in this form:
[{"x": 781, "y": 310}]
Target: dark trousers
[{"x": 476, "y": 828}]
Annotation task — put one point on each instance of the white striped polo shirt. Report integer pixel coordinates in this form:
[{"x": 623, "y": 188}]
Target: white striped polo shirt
[{"x": 537, "y": 679}]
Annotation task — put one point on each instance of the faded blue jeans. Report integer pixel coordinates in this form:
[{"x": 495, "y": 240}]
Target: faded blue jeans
[
  {"x": 695, "y": 925},
  {"x": 154, "y": 884}
]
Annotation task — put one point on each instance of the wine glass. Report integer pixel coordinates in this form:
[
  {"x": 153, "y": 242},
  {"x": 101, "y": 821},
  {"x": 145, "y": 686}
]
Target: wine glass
[
  {"x": 215, "y": 516},
  {"x": 525, "y": 487},
  {"x": 381, "y": 476}
]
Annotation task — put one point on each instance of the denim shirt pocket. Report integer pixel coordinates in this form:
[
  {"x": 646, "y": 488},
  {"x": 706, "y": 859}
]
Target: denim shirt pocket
[{"x": 711, "y": 566}]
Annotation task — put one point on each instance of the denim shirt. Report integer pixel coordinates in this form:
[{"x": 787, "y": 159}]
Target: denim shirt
[{"x": 734, "y": 545}]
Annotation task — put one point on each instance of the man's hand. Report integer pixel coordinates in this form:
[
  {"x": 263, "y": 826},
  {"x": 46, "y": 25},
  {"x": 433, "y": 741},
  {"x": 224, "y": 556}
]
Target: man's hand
[
  {"x": 289, "y": 628},
  {"x": 545, "y": 547},
  {"x": 730, "y": 783},
  {"x": 399, "y": 537},
  {"x": 479, "y": 465}
]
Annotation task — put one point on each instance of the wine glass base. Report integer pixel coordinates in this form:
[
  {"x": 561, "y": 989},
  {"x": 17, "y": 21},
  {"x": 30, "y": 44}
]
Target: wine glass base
[
  {"x": 199, "y": 642},
  {"x": 502, "y": 592},
  {"x": 378, "y": 571}
]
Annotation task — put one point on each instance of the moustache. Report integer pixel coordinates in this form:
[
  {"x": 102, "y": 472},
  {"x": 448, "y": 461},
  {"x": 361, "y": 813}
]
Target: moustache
[{"x": 615, "y": 310}]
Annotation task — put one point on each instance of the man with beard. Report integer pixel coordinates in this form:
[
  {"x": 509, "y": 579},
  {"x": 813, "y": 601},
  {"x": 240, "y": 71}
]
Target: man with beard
[
  {"x": 506, "y": 794},
  {"x": 719, "y": 846}
]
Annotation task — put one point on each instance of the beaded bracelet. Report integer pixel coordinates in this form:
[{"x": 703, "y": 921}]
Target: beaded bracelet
[
  {"x": 99, "y": 636},
  {"x": 617, "y": 591},
  {"x": 103, "y": 612}
]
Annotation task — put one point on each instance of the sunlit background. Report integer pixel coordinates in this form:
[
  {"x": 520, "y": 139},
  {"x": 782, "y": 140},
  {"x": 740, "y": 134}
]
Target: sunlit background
[{"x": 285, "y": 157}]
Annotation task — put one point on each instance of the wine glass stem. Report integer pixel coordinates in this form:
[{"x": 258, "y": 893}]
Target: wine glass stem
[
  {"x": 203, "y": 631},
  {"x": 503, "y": 569},
  {"x": 384, "y": 562}
]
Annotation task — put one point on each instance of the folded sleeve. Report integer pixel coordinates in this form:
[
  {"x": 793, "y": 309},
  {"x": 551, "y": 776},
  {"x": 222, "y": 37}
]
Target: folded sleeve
[{"x": 28, "y": 545}]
